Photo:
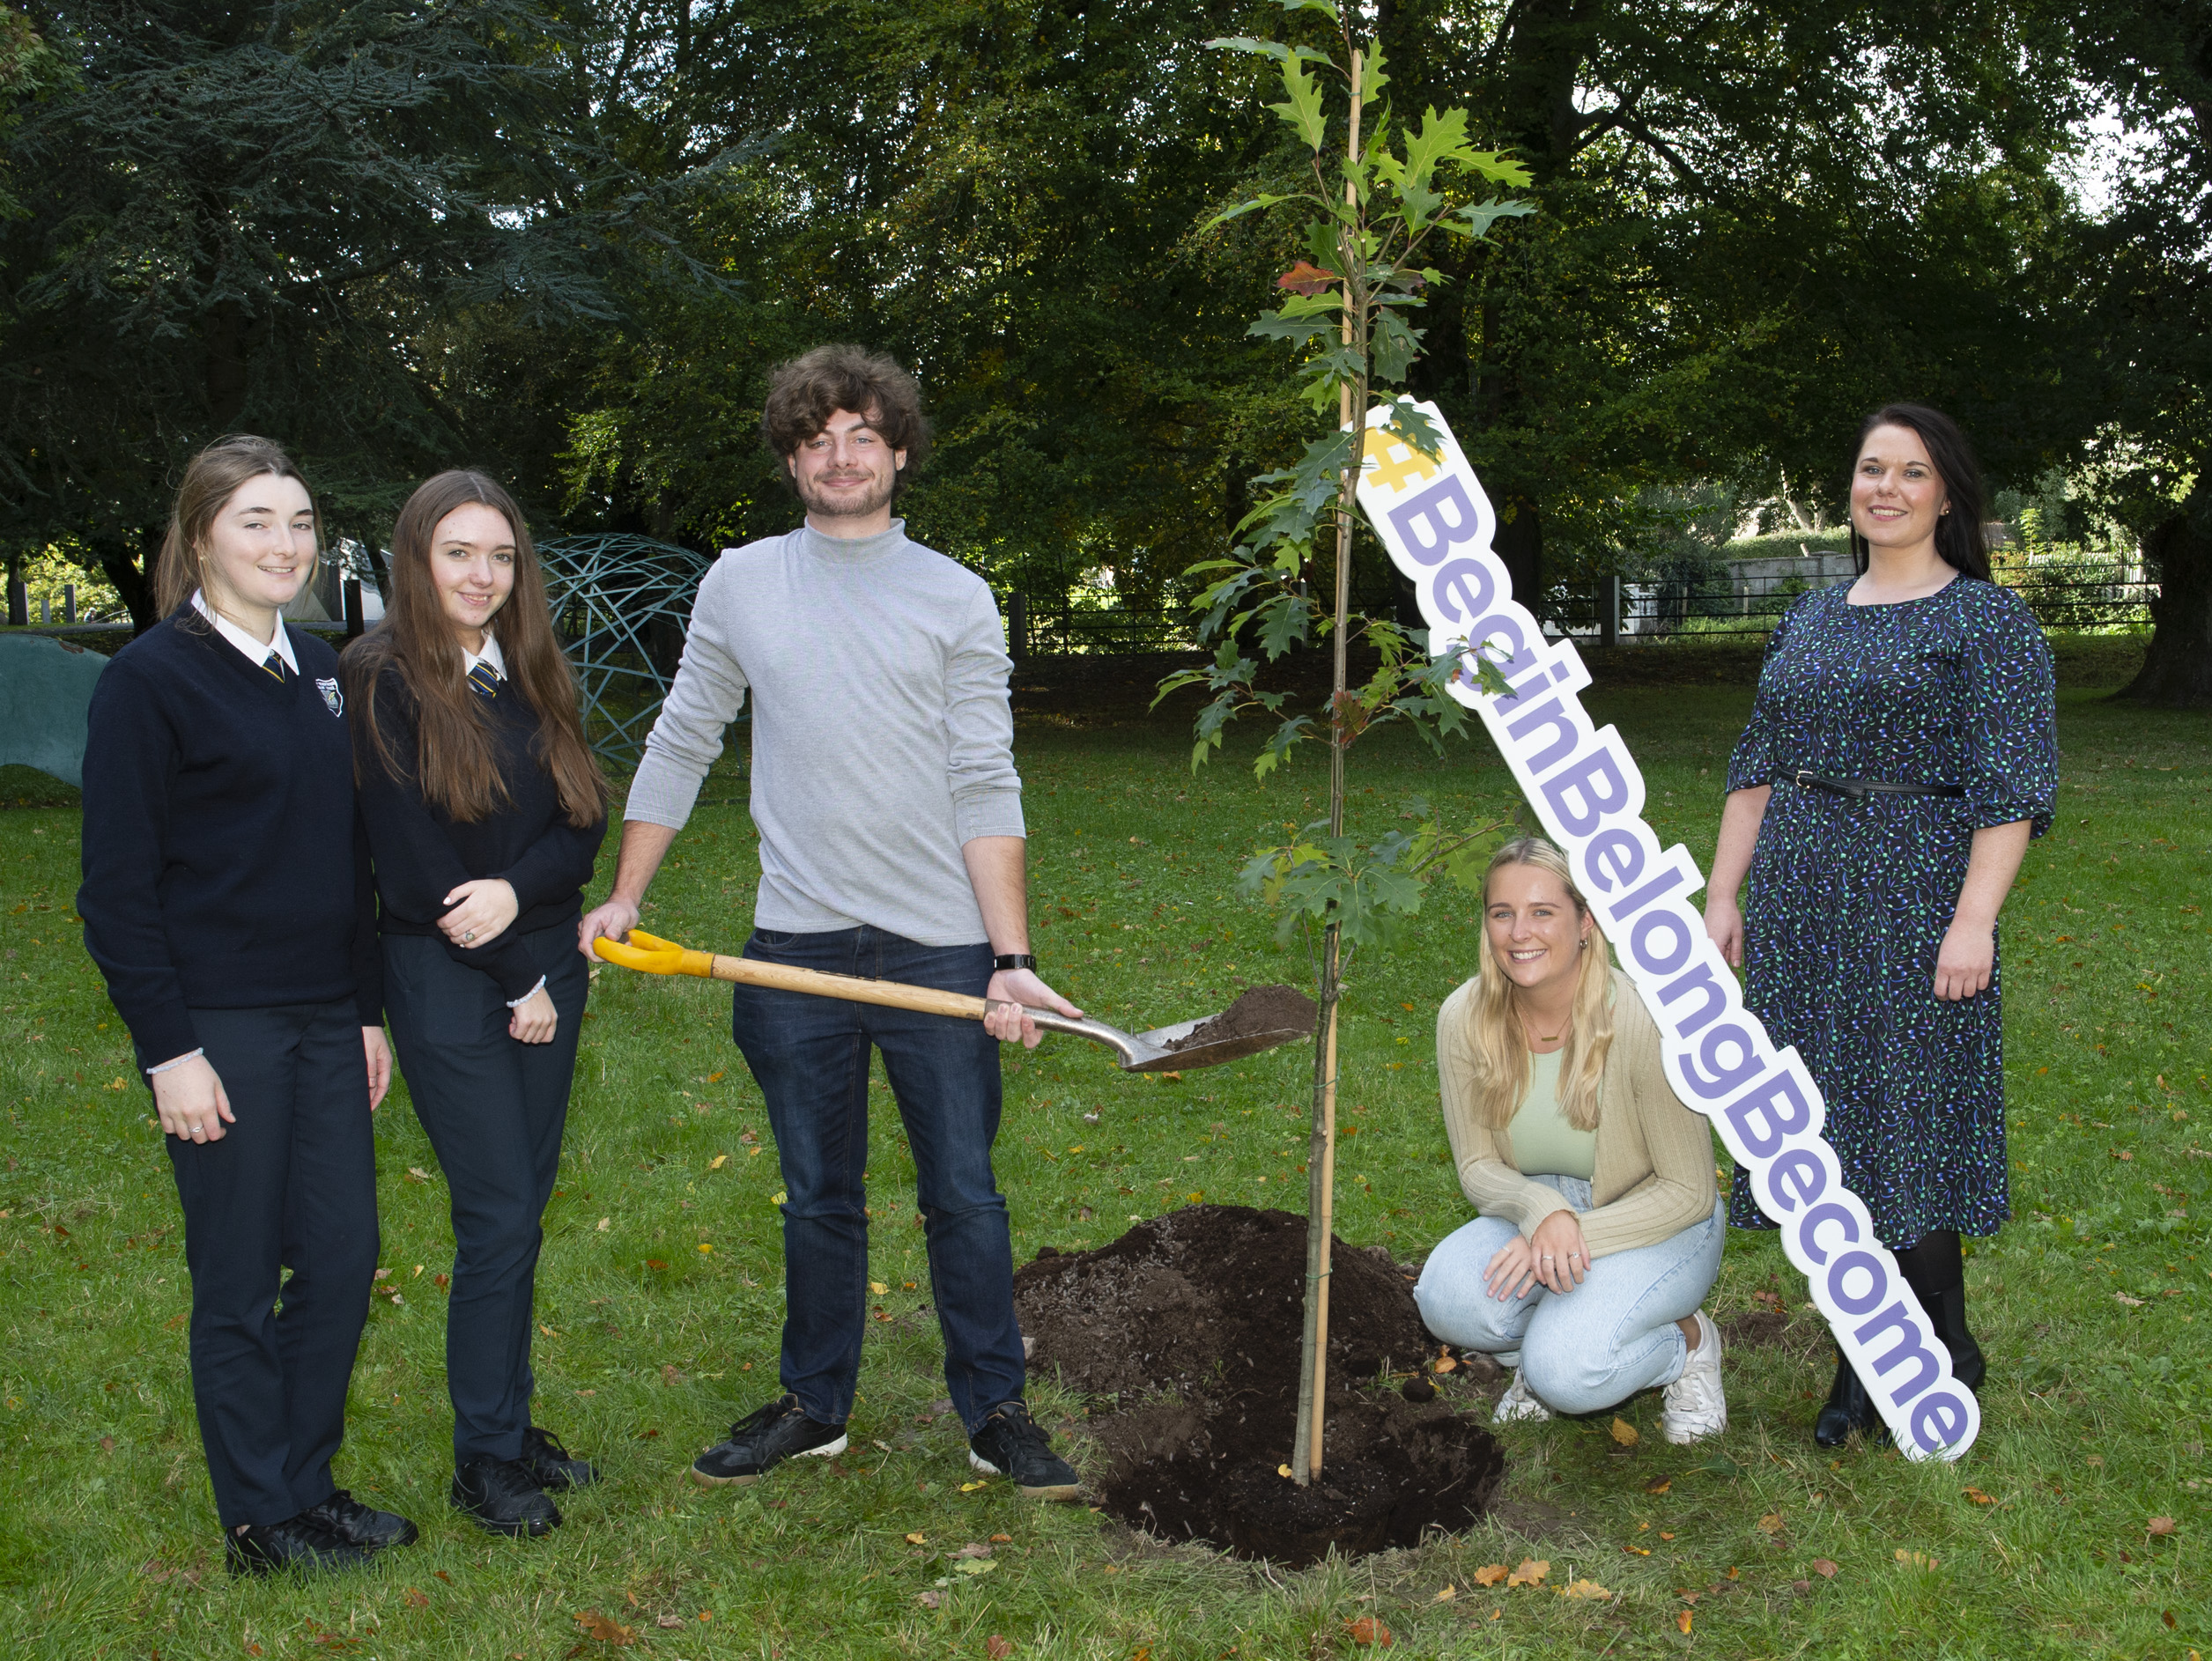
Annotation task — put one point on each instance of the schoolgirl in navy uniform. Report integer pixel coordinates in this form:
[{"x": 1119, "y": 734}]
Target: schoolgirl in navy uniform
[
  {"x": 484, "y": 809},
  {"x": 227, "y": 901}
]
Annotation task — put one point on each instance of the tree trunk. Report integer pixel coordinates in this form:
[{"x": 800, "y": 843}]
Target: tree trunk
[
  {"x": 2177, "y": 671},
  {"x": 133, "y": 585},
  {"x": 1519, "y": 545}
]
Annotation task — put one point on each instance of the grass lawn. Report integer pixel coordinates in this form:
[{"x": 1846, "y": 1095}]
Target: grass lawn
[{"x": 660, "y": 1289}]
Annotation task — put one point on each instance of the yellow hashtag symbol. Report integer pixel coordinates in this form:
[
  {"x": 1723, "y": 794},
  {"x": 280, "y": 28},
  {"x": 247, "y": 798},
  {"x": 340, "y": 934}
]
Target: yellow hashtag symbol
[{"x": 1395, "y": 475}]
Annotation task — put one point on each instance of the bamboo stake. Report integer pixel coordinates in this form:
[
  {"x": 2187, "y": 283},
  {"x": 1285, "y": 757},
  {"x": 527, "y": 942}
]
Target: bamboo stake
[{"x": 1305, "y": 1457}]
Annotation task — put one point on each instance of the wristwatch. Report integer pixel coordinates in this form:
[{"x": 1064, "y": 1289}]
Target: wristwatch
[{"x": 1014, "y": 960}]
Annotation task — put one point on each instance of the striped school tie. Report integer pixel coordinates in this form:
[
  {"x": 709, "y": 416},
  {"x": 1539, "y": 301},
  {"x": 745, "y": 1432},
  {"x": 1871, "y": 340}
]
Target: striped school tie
[
  {"x": 485, "y": 679},
  {"x": 276, "y": 665}
]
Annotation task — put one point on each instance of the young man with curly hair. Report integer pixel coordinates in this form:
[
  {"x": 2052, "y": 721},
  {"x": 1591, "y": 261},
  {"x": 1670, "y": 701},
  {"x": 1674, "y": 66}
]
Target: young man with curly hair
[{"x": 891, "y": 847}]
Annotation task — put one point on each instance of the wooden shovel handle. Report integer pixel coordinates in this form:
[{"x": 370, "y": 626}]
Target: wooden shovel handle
[{"x": 852, "y": 988}]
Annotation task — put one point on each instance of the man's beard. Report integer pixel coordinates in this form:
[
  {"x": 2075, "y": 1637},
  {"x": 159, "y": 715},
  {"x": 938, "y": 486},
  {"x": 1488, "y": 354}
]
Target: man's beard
[{"x": 845, "y": 503}]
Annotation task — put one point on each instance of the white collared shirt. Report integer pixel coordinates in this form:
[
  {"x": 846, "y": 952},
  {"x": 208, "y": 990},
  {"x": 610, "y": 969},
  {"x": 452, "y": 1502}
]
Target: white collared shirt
[
  {"x": 489, "y": 654},
  {"x": 257, "y": 651}
]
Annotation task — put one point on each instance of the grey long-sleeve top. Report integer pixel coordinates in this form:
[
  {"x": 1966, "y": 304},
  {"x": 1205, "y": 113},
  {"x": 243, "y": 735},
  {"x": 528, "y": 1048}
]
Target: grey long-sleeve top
[{"x": 882, "y": 736}]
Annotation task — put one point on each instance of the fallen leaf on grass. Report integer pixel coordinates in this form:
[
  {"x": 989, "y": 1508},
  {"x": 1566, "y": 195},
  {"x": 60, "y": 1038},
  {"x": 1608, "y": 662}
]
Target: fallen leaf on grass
[
  {"x": 1918, "y": 1560},
  {"x": 1825, "y": 1567},
  {"x": 607, "y": 1631},
  {"x": 605, "y": 1223},
  {"x": 2132, "y": 1303},
  {"x": 416, "y": 1599},
  {"x": 670, "y": 1376},
  {"x": 997, "y": 1648},
  {"x": 1625, "y": 1433},
  {"x": 917, "y": 1539},
  {"x": 416, "y": 1173},
  {"x": 1682, "y": 1620},
  {"x": 930, "y": 1599},
  {"x": 972, "y": 1550},
  {"x": 974, "y": 1566},
  {"x": 1979, "y": 1497},
  {"x": 2162, "y": 1525},
  {"x": 877, "y": 1287},
  {"x": 1490, "y": 1574},
  {"x": 668, "y": 1623},
  {"x": 1770, "y": 1523},
  {"x": 1588, "y": 1589},
  {"x": 970, "y": 1488},
  {"x": 1369, "y": 1633},
  {"x": 1530, "y": 1573},
  {"x": 1446, "y": 1596},
  {"x": 718, "y": 1162},
  {"x": 1002, "y": 1539}
]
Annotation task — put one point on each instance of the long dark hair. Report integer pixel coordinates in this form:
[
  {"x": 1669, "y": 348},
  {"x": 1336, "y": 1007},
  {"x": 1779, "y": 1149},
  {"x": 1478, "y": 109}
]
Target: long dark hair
[
  {"x": 1960, "y": 541},
  {"x": 211, "y": 479},
  {"x": 455, "y": 769}
]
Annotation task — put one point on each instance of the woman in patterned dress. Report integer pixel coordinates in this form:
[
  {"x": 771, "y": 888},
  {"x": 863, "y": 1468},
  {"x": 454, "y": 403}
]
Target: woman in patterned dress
[{"x": 1899, "y": 757}]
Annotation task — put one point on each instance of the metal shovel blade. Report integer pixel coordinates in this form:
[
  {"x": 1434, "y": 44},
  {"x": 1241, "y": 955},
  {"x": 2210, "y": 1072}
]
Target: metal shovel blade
[{"x": 1149, "y": 1052}]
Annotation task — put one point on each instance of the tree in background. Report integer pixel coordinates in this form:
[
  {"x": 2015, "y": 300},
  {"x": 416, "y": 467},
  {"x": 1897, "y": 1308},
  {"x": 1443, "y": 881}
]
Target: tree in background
[
  {"x": 2141, "y": 279},
  {"x": 363, "y": 229}
]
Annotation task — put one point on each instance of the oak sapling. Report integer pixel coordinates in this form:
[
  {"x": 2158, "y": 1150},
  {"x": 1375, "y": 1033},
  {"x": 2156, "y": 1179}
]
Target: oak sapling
[{"x": 1349, "y": 305}]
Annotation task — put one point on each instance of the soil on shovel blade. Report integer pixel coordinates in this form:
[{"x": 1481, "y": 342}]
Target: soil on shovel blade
[
  {"x": 1185, "y": 1331},
  {"x": 1264, "y": 1009}
]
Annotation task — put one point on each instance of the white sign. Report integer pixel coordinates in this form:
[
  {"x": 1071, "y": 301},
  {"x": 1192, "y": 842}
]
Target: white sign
[{"x": 1437, "y": 524}]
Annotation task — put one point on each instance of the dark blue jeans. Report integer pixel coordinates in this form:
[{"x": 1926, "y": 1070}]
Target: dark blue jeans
[{"x": 810, "y": 1056}]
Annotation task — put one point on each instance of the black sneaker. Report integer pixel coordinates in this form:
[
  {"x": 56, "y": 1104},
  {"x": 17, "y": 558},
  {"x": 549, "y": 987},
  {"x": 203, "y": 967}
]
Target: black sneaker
[
  {"x": 504, "y": 1497},
  {"x": 297, "y": 1542},
  {"x": 360, "y": 1524},
  {"x": 1009, "y": 1443},
  {"x": 553, "y": 1465},
  {"x": 762, "y": 1441}
]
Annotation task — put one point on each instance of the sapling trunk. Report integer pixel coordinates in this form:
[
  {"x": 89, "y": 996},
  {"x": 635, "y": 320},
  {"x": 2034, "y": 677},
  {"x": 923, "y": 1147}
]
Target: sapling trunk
[{"x": 1320, "y": 1164}]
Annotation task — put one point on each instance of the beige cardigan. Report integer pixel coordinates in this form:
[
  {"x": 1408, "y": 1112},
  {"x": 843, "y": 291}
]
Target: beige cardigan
[{"x": 1654, "y": 1171}]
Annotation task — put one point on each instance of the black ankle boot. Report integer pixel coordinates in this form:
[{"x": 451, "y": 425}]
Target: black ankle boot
[
  {"x": 1947, "y": 1311},
  {"x": 1935, "y": 1269},
  {"x": 1848, "y": 1408}
]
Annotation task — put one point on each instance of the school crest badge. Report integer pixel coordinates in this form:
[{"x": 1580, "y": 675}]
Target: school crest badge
[{"x": 331, "y": 697}]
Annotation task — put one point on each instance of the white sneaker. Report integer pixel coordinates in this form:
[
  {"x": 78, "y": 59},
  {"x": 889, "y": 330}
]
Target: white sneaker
[
  {"x": 1694, "y": 1406},
  {"x": 1517, "y": 1406}
]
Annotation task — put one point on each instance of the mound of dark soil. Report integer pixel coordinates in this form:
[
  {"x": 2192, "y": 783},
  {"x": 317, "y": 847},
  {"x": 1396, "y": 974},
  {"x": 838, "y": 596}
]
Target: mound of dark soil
[{"x": 1185, "y": 1331}]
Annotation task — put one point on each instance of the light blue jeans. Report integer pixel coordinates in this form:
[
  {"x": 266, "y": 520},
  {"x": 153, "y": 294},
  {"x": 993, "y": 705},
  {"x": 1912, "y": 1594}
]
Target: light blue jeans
[{"x": 1590, "y": 1348}]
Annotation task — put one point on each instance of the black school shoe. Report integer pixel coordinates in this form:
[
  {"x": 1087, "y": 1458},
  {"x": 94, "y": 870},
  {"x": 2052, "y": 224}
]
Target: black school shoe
[
  {"x": 504, "y": 1496},
  {"x": 1009, "y": 1443},
  {"x": 297, "y": 1542},
  {"x": 553, "y": 1465},
  {"x": 360, "y": 1524},
  {"x": 762, "y": 1441}
]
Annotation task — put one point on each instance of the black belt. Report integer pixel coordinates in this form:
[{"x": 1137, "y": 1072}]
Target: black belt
[{"x": 1857, "y": 789}]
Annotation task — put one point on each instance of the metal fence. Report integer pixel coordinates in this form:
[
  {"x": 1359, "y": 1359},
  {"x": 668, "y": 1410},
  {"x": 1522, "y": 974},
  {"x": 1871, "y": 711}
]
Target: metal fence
[{"x": 1740, "y": 600}]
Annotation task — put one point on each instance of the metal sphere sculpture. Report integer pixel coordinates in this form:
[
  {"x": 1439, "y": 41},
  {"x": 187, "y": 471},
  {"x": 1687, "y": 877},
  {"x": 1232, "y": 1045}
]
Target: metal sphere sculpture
[{"x": 620, "y": 603}]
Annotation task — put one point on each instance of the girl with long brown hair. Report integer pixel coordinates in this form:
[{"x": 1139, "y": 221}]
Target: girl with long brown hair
[
  {"x": 227, "y": 900},
  {"x": 1599, "y": 1232},
  {"x": 484, "y": 809}
]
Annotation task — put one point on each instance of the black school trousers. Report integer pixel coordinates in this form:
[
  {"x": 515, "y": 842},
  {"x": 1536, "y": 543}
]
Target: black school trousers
[
  {"x": 494, "y": 1109},
  {"x": 290, "y": 1185}
]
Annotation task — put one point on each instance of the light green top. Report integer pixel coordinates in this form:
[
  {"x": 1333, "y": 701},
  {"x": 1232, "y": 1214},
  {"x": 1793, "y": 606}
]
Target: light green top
[{"x": 1544, "y": 1144}]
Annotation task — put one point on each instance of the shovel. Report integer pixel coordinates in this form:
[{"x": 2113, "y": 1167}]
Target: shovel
[{"x": 1151, "y": 1052}]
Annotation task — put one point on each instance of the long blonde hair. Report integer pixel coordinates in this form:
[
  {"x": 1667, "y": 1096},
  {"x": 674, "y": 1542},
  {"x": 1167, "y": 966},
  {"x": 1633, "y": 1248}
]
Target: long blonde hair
[{"x": 1495, "y": 1033}]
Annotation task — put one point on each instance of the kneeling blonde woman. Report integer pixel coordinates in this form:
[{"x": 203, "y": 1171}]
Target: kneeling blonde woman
[{"x": 1600, "y": 1231}]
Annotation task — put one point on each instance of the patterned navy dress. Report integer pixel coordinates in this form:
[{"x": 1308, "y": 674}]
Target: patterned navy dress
[{"x": 1849, "y": 900}]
